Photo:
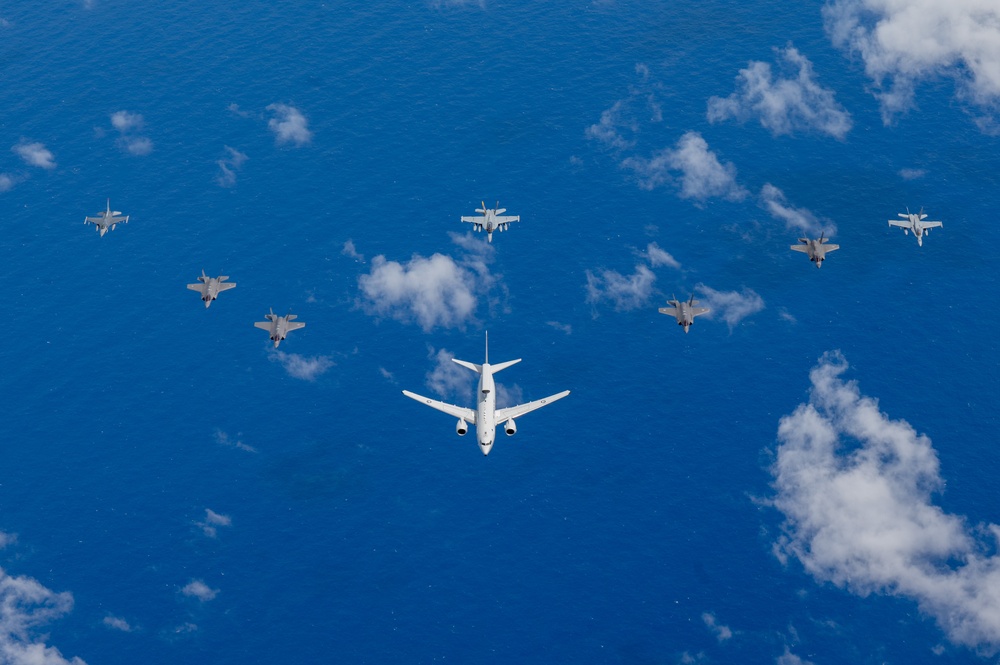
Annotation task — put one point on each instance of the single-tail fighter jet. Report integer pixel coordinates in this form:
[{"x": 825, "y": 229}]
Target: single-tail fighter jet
[
  {"x": 816, "y": 248},
  {"x": 684, "y": 312},
  {"x": 486, "y": 417},
  {"x": 915, "y": 223},
  {"x": 108, "y": 219},
  {"x": 211, "y": 287},
  {"x": 278, "y": 327},
  {"x": 493, "y": 219}
]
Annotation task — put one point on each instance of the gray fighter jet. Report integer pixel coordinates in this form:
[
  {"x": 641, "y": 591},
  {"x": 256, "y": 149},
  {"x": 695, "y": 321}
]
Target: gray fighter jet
[
  {"x": 915, "y": 223},
  {"x": 108, "y": 219},
  {"x": 684, "y": 312},
  {"x": 492, "y": 220},
  {"x": 278, "y": 327},
  {"x": 816, "y": 248},
  {"x": 211, "y": 287}
]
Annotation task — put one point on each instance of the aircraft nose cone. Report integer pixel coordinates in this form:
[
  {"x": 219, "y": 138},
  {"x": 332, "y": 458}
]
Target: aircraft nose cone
[
  {"x": 208, "y": 302},
  {"x": 486, "y": 449}
]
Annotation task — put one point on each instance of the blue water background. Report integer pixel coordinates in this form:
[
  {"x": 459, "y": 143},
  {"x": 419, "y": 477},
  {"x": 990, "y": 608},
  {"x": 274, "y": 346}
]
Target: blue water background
[{"x": 363, "y": 530}]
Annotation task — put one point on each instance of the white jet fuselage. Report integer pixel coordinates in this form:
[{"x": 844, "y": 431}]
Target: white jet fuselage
[{"x": 486, "y": 408}]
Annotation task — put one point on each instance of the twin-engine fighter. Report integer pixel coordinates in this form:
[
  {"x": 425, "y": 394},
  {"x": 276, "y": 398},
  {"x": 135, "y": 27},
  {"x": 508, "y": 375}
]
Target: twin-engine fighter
[
  {"x": 211, "y": 287},
  {"x": 108, "y": 219},
  {"x": 493, "y": 219},
  {"x": 915, "y": 223},
  {"x": 278, "y": 327},
  {"x": 816, "y": 248},
  {"x": 684, "y": 312},
  {"x": 486, "y": 417}
]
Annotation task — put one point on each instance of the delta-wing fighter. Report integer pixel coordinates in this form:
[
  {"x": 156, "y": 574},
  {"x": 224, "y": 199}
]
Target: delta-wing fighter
[
  {"x": 684, "y": 312},
  {"x": 486, "y": 417},
  {"x": 816, "y": 248},
  {"x": 278, "y": 327},
  {"x": 211, "y": 287},
  {"x": 492, "y": 219},
  {"x": 108, "y": 219},
  {"x": 915, "y": 223}
]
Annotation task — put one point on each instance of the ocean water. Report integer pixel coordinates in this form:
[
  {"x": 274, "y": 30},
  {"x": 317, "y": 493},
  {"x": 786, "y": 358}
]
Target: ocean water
[{"x": 362, "y": 529}]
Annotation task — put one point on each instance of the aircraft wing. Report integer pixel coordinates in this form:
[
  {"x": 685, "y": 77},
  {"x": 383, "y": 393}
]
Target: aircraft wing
[
  {"x": 293, "y": 325},
  {"x": 521, "y": 409},
  {"x": 118, "y": 220},
  {"x": 696, "y": 311},
  {"x": 506, "y": 219},
  {"x": 930, "y": 225},
  {"x": 800, "y": 248},
  {"x": 474, "y": 220},
  {"x": 93, "y": 220},
  {"x": 225, "y": 286},
  {"x": 900, "y": 223},
  {"x": 672, "y": 311},
  {"x": 830, "y": 248},
  {"x": 467, "y": 415},
  {"x": 263, "y": 325},
  {"x": 199, "y": 287}
]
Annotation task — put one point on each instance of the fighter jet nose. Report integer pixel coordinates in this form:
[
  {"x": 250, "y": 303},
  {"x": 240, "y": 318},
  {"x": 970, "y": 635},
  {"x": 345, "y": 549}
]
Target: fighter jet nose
[
  {"x": 208, "y": 301},
  {"x": 276, "y": 343}
]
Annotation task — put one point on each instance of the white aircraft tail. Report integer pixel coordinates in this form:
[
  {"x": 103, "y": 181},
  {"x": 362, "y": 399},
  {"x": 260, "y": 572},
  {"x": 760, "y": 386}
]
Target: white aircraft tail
[{"x": 478, "y": 369}]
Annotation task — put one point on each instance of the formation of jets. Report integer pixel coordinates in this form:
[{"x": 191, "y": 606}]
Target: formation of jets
[{"x": 487, "y": 416}]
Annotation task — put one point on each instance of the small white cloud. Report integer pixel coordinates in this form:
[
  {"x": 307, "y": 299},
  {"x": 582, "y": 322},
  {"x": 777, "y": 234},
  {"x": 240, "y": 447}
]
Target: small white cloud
[
  {"x": 659, "y": 257},
  {"x": 289, "y": 125},
  {"x": 509, "y": 396},
  {"x": 200, "y": 590},
  {"x": 785, "y": 315},
  {"x": 905, "y": 42},
  {"x": 126, "y": 122},
  {"x": 722, "y": 633},
  {"x": 702, "y": 175},
  {"x": 730, "y": 306},
  {"x": 625, "y": 292},
  {"x": 7, "y": 182},
  {"x": 774, "y": 201},
  {"x": 117, "y": 623},
  {"x": 7, "y": 539},
  {"x": 224, "y": 439},
  {"x": 212, "y": 521},
  {"x": 783, "y": 105},
  {"x": 563, "y": 327},
  {"x": 136, "y": 145},
  {"x": 432, "y": 291},
  {"x": 228, "y": 166},
  {"x": 607, "y": 130},
  {"x": 128, "y": 125},
  {"x": 449, "y": 380},
  {"x": 789, "y": 658},
  {"x": 912, "y": 174},
  {"x": 35, "y": 154},
  {"x": 351, "y": 251},
  {"x": 387, "y": 375},
  {"x": 307, "y": 368},
  {"x": 856, "y": 490},
  {"x": 26, "y": 606}
]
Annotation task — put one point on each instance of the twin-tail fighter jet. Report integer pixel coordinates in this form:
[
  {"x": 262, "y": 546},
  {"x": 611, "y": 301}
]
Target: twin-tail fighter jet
[
  {"x": 915, "y": 223},
  {"x": 486, "y": 417},
  {"x": 278, "y": 327},
  {"x": 211, "y": 287},
  {"x": 816, "y": 248},
  {"x": 108, "y": 219},
  {"x": 684, "y": 312},
  {"x": 492, "y": 220}
]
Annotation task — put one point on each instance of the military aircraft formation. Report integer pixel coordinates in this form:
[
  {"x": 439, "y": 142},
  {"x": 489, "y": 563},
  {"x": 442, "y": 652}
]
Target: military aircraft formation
[{"x": 486, "y": 416}]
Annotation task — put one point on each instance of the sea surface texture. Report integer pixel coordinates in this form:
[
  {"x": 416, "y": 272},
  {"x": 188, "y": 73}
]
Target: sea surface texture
[{"x": 808, "y": 476}]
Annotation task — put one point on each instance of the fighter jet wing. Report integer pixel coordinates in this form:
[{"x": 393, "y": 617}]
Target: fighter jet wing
[
  {"x": 225, "y": 286},
  {"x": 294, "y": 325},
  {"x": 506, "y": 219},
  {"x": 196, "y": 287},
  {"x": 671, "y": 311},
  {"x": 263, "y": 325},
  {"x": 93, "y": 220},
  {"x": 457, "y": 411},
  {"x": 800, "y": 248},
  {"x": 521, "y": 409},
  {"x": 697, "y": 311},
  {"x": 474, "y": 220},
  {"x": 930, "y": 225},
  {"x": 830, "y": 248},
  {"x": 905, "y": 224}
]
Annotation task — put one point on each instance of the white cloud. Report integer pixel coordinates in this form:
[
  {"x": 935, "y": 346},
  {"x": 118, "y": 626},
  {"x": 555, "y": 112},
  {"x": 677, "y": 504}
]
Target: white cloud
[
  {"x": 789, "y": 658},
  {"x": 903, "y": 42},
  {"x": 212, "y": 521},
  {"x": 722, "y": 633},
  {"x": 607, "y": 130},
  {"x": 625, "y": 292},
  {"x": 433, "y": 291},
  {"x": 912, "y": 174},
  {"x": 25, "y": 606},
  {"x": 228, "y": 166},
  {"x": 509, "y": 396},
  {"x": 448, "y": 379},
  {"x": 200, "y": 590},
  {"x": 563, "y": 327},
  {"x": 783, "y": 105},
  {"x": 624, "y": 115},
  {"x": 702, "y": 175},
  {"x": 35, "y": 154},
  {"x": 307, "y": 368},
  {"x": 128, "y": 124},
  {"x": 659, "y": 257},
  {"x": 117, "y": 623},
  {"x": 774, "y": 201},
  {"x": 351, "y": 251},
  {"x": 856, "y": 491},
  {"x": 224, "y": 439},
  {"x": 731, "y": 306},
  {"x": 289, "y": 125},
  {"x": 7, "y": 182}
]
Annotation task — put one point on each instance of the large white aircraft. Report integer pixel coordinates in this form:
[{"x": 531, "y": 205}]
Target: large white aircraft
[
  {"x": 108, "y": 219},
  {"x": 486, "y": 417},
  {"x": 915, "y": 223},
  {"x": 493, "y": 219}
]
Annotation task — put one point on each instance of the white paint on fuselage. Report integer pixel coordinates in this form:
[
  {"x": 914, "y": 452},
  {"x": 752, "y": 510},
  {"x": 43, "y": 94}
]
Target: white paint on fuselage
[{"x": 486, "y": 408}]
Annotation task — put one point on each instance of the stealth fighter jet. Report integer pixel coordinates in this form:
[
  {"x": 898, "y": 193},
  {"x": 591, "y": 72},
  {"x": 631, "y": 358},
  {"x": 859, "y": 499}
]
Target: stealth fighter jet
[
  {"x": 211, "y": 287},
  {"x": 684, "y": 312},
  {"x": 278, "y": 327},
  {"x": 816, "y": 248}
]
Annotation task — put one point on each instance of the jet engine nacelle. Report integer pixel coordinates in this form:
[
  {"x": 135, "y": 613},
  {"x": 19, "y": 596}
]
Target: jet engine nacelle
[
  {"x": 461, "y": 427},
  {"x": 509, "y": 427}
]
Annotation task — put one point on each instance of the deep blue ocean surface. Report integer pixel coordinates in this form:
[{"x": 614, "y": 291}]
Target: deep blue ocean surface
[{"x": 626, "y": 524}]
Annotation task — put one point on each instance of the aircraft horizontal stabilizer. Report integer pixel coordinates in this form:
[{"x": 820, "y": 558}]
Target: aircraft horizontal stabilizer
[
  {"x": 499, "y": 366},
  {"x": 473, "y": 366}
]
